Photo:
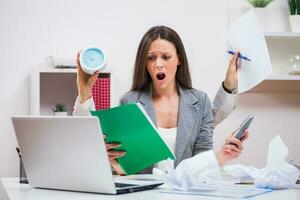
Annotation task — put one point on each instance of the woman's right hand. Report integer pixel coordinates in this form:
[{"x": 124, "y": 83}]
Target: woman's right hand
[
  {"x": 85, "y": 82},
  {"x": 113, "y": 155}
]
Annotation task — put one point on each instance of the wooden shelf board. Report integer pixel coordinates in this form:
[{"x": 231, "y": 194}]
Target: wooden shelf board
[
  {"x": 63, "y": 70},
  {"x": 284, "y": 78},
  {"x": 277, "y": 85},
  {"x": 282, "y": 35}
]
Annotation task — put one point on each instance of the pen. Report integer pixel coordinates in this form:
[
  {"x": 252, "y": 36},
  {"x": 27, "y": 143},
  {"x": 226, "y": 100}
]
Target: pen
[
  {"x": 240, "y": 55},
  {"x": 18, "y": 151}
]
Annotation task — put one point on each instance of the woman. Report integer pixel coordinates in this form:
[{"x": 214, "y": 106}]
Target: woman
[{"x": 162, "y": 84}]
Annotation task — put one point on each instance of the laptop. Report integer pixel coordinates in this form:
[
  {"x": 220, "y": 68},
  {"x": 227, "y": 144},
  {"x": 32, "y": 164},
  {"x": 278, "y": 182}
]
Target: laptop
[
  {"x": 68, "y": 153},
  {"x": 3, "y": 194}
]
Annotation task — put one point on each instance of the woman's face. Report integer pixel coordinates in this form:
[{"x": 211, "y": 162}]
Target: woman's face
[{"x": 162, "y": 61}]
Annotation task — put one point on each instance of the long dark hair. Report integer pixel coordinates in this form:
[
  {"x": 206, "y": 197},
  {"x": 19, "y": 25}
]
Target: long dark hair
[{"x": 141, "y": 77}]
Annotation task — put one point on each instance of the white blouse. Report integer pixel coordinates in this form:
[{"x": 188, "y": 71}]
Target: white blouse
[{"x": 169, "y": 137}]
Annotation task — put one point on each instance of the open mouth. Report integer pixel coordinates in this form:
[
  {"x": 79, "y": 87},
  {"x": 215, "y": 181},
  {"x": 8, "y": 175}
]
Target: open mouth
[{"x": 160, "y": 76}]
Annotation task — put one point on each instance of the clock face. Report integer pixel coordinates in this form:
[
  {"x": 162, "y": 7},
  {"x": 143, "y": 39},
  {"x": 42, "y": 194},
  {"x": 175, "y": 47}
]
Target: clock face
[{"x": 92, "y": 58}]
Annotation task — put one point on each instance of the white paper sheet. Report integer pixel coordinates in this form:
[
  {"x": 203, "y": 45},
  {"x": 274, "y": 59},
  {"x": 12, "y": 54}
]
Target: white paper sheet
[
  {"x": 218, "y": 190},
  {"x": 200, "y": 175},
  {"x": 203, "y": 167},
  {"x": 277, "y": 174},
  {"x": 246, "y": 36}
]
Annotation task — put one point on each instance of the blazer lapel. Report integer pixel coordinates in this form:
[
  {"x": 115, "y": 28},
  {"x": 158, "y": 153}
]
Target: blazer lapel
[
  {"x": 188, "y": 106},
  {"x": 186, "y": 119},
  {"x": 146, "y": 100}
]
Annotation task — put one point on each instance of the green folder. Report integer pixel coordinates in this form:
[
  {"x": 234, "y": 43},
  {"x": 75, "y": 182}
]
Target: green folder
[{"x": 131, "y": 126}]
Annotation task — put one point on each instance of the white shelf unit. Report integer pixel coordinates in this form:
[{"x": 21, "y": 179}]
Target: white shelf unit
[
  {"x": 51, "y": 86},
  {"x": 281, "y": 46}
]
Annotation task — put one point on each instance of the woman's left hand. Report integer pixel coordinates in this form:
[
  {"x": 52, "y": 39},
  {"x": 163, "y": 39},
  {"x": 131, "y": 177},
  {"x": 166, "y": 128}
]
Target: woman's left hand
[
  {"x": 231, "y": 79},
  {"x": 232, "y": 148}
]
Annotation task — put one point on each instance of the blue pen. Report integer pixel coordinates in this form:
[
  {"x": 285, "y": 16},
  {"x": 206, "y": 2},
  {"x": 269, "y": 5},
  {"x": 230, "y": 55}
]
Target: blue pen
[{"x": 240, "y": 55}]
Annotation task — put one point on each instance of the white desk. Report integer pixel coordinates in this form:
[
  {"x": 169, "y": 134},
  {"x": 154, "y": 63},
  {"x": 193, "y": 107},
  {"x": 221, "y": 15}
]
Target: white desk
[{"x": 18, "y": 191}]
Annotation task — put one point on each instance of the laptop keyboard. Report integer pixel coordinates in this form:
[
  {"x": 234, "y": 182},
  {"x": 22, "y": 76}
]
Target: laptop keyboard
[{"x": 120, "y": 185}]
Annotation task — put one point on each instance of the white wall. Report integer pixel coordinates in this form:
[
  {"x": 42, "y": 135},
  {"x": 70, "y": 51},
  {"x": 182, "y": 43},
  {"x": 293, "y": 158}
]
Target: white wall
[{"x": 30, "y": 30}]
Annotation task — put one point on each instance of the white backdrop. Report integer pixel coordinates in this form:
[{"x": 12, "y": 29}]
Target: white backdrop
[{"x": 31, "y": 30}]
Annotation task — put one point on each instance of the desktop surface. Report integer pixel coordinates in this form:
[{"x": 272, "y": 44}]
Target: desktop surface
[{"x": 17, "y": 191}]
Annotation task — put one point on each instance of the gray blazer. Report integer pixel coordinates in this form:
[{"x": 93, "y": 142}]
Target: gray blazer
[{"x": 195, "y": 121}]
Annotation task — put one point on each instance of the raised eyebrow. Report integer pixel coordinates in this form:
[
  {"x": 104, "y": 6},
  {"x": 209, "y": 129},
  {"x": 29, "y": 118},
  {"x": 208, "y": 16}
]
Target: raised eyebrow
[{"x": 163, "y": 52}]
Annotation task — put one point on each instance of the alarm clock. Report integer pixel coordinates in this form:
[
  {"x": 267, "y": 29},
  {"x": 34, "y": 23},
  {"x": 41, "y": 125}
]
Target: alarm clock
[{"x": 92, "y": 59}]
